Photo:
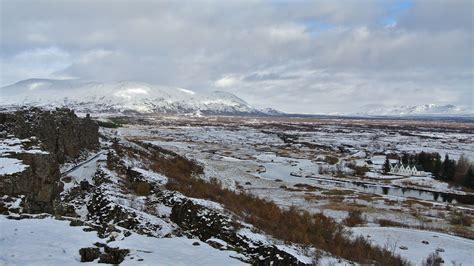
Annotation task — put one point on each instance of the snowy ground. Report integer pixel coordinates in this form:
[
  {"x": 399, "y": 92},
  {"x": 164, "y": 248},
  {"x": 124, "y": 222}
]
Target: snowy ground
[
  {"x": 52, "y": 242},
  {"x": 452, "y": 248}
]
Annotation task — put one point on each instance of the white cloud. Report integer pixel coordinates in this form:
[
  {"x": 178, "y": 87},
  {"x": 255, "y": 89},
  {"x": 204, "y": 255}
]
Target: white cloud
[
  {"x": 263, "y": 51},
  {"x": 36, "y": 62},
  {"x": 225, "y": 82}
]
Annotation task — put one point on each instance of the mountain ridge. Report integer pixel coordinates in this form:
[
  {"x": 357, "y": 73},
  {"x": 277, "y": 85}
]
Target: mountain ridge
[
  {"x": 415, "y": 110},
  {"x": 120, "y": 97}
]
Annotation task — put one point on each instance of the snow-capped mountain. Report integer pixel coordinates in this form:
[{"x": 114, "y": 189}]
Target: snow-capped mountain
[
  {"x": 124, "y": 96},
  {"x": 413, "y": 110},
  {"x": 272, "y": 111}
]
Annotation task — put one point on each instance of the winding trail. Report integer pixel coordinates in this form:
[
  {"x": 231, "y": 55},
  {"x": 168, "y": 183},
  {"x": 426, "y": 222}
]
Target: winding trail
[{"x": 65, "y": 173}]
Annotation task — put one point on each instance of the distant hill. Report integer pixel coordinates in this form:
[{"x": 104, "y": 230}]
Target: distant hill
[{"x": 415, "y": 110}]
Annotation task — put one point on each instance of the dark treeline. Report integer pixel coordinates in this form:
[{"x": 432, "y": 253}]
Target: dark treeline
[{"x": 446, "y": 169}]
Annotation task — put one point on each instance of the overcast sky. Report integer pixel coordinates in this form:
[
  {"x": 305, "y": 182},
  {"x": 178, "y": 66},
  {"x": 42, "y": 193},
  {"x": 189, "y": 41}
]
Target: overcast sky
[{"x": 298, "y": 56}]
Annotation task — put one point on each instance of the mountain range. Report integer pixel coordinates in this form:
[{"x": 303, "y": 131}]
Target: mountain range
[
  {"x": 121, "y": 97},
  {"x": 140, "y": 97},
  {"x": 414, "y": 110}
]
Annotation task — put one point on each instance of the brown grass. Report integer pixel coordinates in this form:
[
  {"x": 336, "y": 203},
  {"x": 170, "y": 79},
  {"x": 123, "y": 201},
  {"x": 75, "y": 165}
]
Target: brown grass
[
  {"x": 337, "y": 192},
  {"x": 459, "y": 218},
  {"x": 331, "y": 159},
  {"x": 388, "y": 223},
  {"x": 368, "y": 197},
  {"x": 354, "y": 217},
  {"x": 291, "y": 225},
  {"x": 412, "y": 201}
]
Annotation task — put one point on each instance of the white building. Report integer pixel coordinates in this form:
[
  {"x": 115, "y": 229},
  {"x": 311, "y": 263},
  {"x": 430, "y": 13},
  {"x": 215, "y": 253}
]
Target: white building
[{"x": 406, "y": 170}]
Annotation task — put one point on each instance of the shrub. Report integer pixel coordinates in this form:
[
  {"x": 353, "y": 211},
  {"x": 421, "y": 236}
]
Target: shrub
[
  {"x": 143, "y": 188},
  {"x": 434, "y": 259},
  {"x": 354, "y": 217},
  {"x": 331, "y": 159},
  {"x": 386, "y": 223},
  {"x": 360, "y": 170},
  {"x": 459, "y": 218}
]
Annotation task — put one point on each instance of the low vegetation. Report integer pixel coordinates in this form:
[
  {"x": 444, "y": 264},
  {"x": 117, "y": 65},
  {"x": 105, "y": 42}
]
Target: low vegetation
[
  {"x": 291, "y": 225},
  {"x": 389, "y": 223},
  {"x": 354, "y": 218},
  {"x": 434, "y": 259},
  {"x": 331, "y": 159},
  {"x": 459, "y": 218}
]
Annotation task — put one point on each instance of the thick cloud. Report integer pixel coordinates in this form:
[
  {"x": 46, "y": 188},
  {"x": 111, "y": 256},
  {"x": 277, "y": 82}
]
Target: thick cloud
[{"x": 303, "y": 56}]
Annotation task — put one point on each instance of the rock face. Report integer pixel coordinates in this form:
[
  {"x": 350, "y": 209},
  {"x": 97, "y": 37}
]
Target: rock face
[
  {"x": 61, "y": 132},
  {"x": 61, "y": 136},
  {"x": 39, "y": 183}
]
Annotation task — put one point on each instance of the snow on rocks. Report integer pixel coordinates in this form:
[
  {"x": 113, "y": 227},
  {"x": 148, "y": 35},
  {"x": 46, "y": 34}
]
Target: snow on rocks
[
  {"x": 10, "y": 146},
  {"x": 10, "y": 166}
]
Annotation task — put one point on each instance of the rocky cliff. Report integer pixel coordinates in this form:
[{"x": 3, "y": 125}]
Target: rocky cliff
[
  {"x": 61, "y": 132},
  {"x": 36, "y": 142}
]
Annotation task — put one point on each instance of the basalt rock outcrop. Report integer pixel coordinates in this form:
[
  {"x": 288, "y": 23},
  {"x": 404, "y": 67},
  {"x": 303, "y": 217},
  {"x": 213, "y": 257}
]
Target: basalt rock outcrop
[
  {"x": 60, "y": 137},
  {"x": 38, "y": 183},
  {"x": 61, "y": 132}
]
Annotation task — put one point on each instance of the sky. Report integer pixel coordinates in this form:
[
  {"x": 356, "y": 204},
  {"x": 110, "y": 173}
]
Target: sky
[{"x": 295, "y": 56}]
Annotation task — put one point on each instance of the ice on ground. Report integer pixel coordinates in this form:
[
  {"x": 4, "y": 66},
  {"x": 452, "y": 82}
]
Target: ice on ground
[
  {"x": 455, "y": 248},
  {"x": 10, "y": 166},
  {"x": 426, "y": 182}
]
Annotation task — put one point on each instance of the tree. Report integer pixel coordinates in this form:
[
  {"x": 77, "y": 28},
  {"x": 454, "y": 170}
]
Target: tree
[
  {"x": 405, "y": 158},
  {"x": 461, "y": 169},
  {"x": 437, "y": 167},
  {"x": 386, "y": 166},
  {"x": 469, "y": 178},
  {"x": 448, "y": 169}
]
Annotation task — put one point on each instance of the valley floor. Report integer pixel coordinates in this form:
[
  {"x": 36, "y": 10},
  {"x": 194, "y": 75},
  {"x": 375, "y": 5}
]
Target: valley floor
[
  {"x": 252, "y": 155},
  {"x": 119, "y": 198}
]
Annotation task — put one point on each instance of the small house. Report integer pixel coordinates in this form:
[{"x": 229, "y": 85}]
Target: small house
[{"x": 406, "y": 169}]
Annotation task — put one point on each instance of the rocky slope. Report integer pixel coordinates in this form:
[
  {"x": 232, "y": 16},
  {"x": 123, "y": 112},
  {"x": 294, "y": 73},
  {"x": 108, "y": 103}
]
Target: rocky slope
[{"x": 120, "y": 97}]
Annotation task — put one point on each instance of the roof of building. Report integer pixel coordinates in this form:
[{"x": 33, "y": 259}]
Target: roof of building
[{"x": 417, "y": 167}]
